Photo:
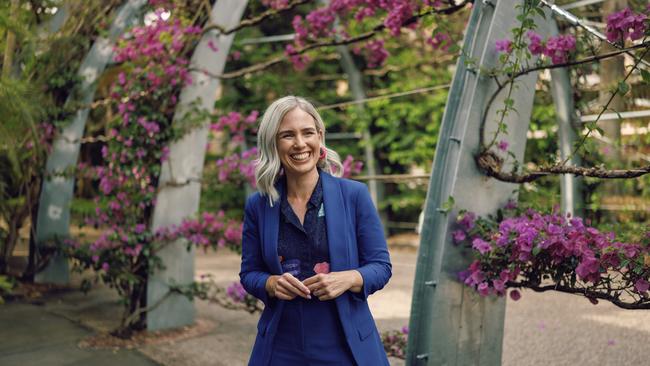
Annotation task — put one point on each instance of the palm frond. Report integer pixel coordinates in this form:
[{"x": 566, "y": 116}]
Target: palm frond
[{"x": 20, "y": 109}]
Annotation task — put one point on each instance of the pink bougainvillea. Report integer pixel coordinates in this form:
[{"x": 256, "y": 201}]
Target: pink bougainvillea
[
  {"x": 236, "y": 124},
  {"x": 503, "y": 45},
  {"x": 394, "y": 15},
  {"x": 238, "y": 167},
  {"x": 276, "y": 4},
  {"x": 351, "y": 167},
  {"x": 557, "y": 48},
  {"x": 236, "y": 292},
  {"x": 625, "y": 24},
  {"x": 376, "y": 54},
  {"x": 440, "y": 41},
  {"x": 531, "y": 249}
]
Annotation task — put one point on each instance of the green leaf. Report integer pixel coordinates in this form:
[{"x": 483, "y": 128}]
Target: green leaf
[
  {"x": 540, "y": 12},
  {"x": 6, "y": 284},
  {"x": 645, "y": 74},
  {"x": 448, "y": 205},
  {"x": 624, "y": 263},
  {"x": 536, "y": 250},
  {"x": 623, "y": 87}
]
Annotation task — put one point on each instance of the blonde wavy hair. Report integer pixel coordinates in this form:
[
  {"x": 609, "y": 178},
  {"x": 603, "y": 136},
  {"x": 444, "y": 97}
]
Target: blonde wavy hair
[{"x": 268, "y": 165}]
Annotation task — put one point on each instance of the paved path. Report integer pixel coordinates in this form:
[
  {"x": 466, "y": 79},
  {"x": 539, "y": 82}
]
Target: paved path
[
  {"x": 548, "y": 329},
  {"x": 32, "y": 336}
]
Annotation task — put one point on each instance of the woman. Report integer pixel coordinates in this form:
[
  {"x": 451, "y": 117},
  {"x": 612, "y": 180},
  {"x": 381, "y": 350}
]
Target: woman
[{"x": 313, "y": 248}]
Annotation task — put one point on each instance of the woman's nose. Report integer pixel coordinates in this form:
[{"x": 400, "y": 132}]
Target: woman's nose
[{"x": 299, "y": 141}]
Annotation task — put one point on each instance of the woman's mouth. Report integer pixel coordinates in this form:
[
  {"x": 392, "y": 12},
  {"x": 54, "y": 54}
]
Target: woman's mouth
[{"x": 300, "y": 156}]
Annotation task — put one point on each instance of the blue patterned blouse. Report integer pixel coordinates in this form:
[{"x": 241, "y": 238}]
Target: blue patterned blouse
[{"x": 302, "y": 247}]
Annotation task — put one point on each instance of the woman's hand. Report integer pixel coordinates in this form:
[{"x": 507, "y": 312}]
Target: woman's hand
[
  {"x": 286, "y": 287},
  {"x": 327, "y": 286}
]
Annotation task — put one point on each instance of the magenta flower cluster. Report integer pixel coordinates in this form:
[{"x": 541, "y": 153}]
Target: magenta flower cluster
[
  {"x": 557, "y": 48},
  {"x": 236, "y": 124},
  {"x": 208, "y": 230},
  {"x": 153, "y": 64},
  {"x": 524, "y": 249},
  {"x": 626, "y": 24},
  {"x": 395, "y": 342},
  {"x": 376, "y": 54},
  {"x": 152, "y": 68},
  {"x": 120, "y": 248},
  {"x": 440, "y": 41},
  {"x": 236, "y": 292},
  {"x": 276, "y": 4},
  {"x": 321, "y": 23},
  {"x": 351, "y": 167},
  {"x": 238, "y": 167},
  {"x": 299, "y": 61},
  {"x": 503, "y": 145},
  {"x": 503, "y": 45}
]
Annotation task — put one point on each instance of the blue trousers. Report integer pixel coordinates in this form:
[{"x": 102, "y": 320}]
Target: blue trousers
[{"x": 310, "y": 334}]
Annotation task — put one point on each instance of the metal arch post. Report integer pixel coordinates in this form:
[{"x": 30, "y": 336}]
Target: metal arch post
[
  {"x": 53, "y": 217},
  {"x": 567, "y": 120},
  {"x": 450, "y": 324},
  {"x": 185, "y": 164}
]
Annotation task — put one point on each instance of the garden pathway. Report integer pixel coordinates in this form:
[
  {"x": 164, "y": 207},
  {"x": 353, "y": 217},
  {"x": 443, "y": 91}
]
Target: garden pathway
[{"x": 541, "y": 329}]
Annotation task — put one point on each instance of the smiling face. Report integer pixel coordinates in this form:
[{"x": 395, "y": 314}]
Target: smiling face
[{"x": 298, "y": 142}]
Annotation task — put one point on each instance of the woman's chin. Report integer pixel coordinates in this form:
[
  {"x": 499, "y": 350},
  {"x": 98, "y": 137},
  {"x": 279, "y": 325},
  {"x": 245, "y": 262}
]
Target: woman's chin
[{"x": 302, "y": 169}]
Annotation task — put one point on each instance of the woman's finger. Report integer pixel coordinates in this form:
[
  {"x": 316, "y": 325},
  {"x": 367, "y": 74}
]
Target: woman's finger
[
  {"x": 280, "y": 293},
  {"x": 288, "y": 283},
  {"x": 314, "y": 279},
  {"x": 297, "y": 284}
]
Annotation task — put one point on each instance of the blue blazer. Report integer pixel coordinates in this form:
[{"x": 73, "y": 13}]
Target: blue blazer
[{"x": 356, "y": 241}]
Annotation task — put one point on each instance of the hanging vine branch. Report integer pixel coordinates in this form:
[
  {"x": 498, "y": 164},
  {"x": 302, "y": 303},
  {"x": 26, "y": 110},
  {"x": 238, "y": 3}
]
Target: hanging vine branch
[
  {"x": 610, "y": 294},
  {"x": 491, "y": 164},
  {"x": 333, "y": 42},
  {"x": 255, "y": 20}
]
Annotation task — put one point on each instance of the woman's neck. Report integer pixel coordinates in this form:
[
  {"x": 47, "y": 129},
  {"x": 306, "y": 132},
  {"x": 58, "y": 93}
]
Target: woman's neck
[{"x": 301, "y": 186}]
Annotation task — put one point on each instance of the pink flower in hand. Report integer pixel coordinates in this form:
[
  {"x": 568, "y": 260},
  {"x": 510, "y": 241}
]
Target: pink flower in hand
[{"x": 322, "y": 267}]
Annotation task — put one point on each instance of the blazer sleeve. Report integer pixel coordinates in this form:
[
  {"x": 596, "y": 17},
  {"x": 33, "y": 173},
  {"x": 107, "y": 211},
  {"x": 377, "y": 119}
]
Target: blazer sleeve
[
  {"x": 374, "y": 260},
  {"x": 254, "y": 272}
]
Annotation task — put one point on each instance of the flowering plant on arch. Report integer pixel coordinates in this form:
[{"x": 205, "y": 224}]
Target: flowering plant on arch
[{"x": 523, "y": 248}]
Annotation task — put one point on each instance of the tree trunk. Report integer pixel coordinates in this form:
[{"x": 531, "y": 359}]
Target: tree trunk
[{"x": 15, "y": 223}]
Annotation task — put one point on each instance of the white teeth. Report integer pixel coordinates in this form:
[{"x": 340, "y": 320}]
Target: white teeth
[{"x": 301, "y": 156}]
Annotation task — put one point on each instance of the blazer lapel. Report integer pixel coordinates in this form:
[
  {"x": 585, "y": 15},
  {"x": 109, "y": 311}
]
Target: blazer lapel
[
  {"x": 336, "y": 223},
  {"x": 271, "y": 226},
  {"x": 337, "y": 240}
]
